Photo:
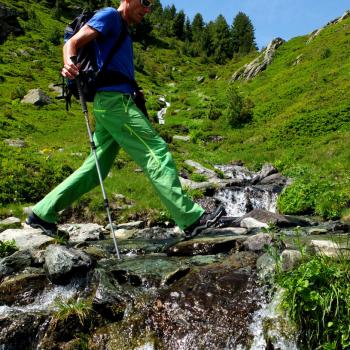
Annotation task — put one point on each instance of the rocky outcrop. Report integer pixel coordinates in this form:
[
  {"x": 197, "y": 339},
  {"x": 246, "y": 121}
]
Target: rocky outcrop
[
  {"x": 316, "y": 32},
  {"x": 252, "y": 69},
  {"x": 8, "y": 22}
]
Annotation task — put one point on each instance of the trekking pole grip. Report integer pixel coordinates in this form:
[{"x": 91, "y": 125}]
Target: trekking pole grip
[{"x": 80, "y": 90}]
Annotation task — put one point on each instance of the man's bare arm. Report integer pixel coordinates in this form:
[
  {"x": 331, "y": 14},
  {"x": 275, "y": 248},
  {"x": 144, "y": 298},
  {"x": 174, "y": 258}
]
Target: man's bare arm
[{"x": 70, "y": 48}]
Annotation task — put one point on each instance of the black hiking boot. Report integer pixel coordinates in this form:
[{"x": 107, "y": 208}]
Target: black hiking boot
[
  {"x": 205, "y": 221},
  {"x": 48, "y": 228}
]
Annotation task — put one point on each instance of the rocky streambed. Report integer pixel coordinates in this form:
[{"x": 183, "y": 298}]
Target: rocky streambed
[{"x": 165, "y": 293}]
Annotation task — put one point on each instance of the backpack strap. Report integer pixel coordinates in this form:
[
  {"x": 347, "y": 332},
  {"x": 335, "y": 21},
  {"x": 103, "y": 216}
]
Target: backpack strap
[{"x": 122, "y": 36}]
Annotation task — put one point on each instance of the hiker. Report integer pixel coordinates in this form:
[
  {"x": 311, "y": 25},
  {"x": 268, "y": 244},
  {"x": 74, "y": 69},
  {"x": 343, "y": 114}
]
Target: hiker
[{"x": 119, "y": 123}]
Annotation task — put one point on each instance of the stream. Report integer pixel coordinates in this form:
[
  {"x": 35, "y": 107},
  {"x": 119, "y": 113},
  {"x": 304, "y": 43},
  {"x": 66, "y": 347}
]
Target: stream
[{"x": 166, "y": 293}]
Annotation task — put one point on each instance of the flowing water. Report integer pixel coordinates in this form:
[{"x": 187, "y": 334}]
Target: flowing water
[
  {"x": 240, "y": 200},
  {"x": 162, "y": 112},
  {"x": 44, "y": 301}
]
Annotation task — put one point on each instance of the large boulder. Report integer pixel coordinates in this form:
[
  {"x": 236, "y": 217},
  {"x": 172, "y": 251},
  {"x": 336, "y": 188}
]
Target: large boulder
[
  {"x": 252, "y": 69},
  {"x": 36, "y": 97},
  {"x": 62, "y": 263}
]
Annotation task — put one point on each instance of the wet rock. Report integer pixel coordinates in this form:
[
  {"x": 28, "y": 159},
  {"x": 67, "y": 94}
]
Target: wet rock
[
  {"x": 266, "y": 266},
  {"x": 131, "y": 333},
  {"x": 96, "y": 253},
  {"x": 205, "y": 310},
  {"x": 15, "y": 263},
  {"x": 225, "y": 231},
  {"x": 20, "y": 330},
  {"x": 22, "y": 289},
  {"x": 240, "y": 260},
  {"x": 317, "y": 231},
  {"x": 266, "y": 170},
  {"x": 279, "y": 220},
  {"x": 290, "y": 259},
  {"x": 139, "y": 246},
  {"x": 145, "y": 271},
  {"x": 206, "y": 245},
  {"x": 10, "y": 222},
  {"x": 257, "y": 242},
  {"x": 36, "y": 97},
  {"x": 157, "y": 233},
  {"x": 27, "y": 238},
  {"x": 62, "y": 263}
]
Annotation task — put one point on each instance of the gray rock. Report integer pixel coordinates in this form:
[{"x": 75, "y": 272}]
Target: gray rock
[
  {"x": 15, "y": 143},
  {"x": 257, "y": 242},
  {"x": 330, "y": 249},
  {"x": 251, "y": 70},
  {"x": 290, "y": 259},
  {"x": 10, "y": 222},
  {"x": 27, "y": 238},
  {"x": 266, "y": 266},
  {"x": 317, "y": 231},
  {"x": 251, "y": 223},
  {"x": 83, "y": 232},
  {"x": 131, "y": 225},
  {"x": 62, "y": 263},
  {"x": 279, "y": 220},
  {"x": 266, "y": 170},
  {"x": 14, "y": 263},
  {"x": 36, "y": 97},
  {"x": 182, "y": 138}
]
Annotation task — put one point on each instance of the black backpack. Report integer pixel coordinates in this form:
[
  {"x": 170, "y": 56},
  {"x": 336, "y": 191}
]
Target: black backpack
[{"x": 90, "y": 76}]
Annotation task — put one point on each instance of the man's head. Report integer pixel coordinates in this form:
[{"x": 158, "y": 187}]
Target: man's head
[{"x": 133, "y": 11}]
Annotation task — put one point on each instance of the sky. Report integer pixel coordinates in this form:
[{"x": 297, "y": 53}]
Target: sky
[{"x": 271, "y": 18}]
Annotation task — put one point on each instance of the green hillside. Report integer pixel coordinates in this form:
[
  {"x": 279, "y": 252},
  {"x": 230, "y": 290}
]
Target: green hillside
[{"x": 299, "y": 119}]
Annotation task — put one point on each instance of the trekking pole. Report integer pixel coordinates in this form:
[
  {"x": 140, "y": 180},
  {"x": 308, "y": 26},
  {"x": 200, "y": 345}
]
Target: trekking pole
[{"x": 93, "y": 149}]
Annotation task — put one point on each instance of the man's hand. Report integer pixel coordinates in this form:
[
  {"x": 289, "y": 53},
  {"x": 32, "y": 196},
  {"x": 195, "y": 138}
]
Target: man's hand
[
  {"x": 70, "y": 48},
  {"x": 70, "y": 70}
]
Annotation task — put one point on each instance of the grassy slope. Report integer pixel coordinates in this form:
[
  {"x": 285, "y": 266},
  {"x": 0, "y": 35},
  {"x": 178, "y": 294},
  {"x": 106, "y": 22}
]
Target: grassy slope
[{"x": 300, "y": 123}]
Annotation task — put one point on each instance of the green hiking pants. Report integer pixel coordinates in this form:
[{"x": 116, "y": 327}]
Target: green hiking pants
[{"x": 119, "y": 123}]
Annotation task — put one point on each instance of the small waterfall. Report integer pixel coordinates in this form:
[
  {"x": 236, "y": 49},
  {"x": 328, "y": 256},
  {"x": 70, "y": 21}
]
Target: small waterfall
[
  {"x": 280, "y": 333},
  {"x": 43, "y": 301},
  {"x": 162, "y": 112},
  {"x": 240, "y": 200}
]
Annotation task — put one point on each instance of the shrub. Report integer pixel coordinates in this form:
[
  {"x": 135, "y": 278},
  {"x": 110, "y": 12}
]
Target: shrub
[
  {"x": 317, "y": 298},
  {"x": 19, "y": 92},
  {"x": 28, "y": 177},
  {"x": 214, "y": 112},
  {"x": 239, "y": 110}
]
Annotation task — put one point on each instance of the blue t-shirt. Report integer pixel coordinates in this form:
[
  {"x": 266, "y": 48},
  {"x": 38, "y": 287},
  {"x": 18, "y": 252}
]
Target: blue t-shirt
[{"x": 108, "y": 22}]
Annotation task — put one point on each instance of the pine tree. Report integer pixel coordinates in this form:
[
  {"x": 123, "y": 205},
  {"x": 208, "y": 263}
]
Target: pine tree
[
  {"x": 188, "y": 30},
  {"x": 221, "y": 40},
  {"x": 243, "y": 38},
  {"x": 179, "y": 25},
  {"x": 197, "y": 27}
]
